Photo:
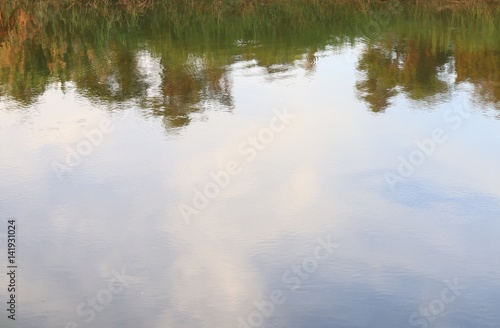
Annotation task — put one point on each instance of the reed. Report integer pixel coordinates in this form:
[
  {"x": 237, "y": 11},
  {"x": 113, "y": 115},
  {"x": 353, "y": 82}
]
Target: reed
[{"x": 92, "y": 42}]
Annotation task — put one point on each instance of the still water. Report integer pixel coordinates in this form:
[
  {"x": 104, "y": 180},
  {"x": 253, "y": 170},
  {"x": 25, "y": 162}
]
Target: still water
[{"x": 329, "y": 179}]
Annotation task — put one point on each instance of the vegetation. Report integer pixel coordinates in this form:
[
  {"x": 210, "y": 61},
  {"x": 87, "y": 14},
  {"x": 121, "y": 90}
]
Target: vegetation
[{"x": 96, "y": 46}]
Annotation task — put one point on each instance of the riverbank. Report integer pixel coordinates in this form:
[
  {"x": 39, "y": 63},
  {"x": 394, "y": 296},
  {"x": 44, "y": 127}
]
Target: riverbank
[
  {"x": 226, "y": 9},
  {"x": 89, "y": 44},
  {"x": 27, "y": 20}
]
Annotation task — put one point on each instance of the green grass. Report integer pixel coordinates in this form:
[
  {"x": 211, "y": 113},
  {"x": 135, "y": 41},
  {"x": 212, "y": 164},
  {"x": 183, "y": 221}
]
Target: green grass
[{"x": 89, "y": 42}]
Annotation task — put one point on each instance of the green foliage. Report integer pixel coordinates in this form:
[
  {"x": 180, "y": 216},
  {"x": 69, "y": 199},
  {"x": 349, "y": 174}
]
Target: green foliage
[{"x": 94, "y": 44}]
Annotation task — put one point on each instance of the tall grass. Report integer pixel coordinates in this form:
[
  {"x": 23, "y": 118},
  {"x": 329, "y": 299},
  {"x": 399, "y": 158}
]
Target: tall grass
[
  {"x": 91, "y": 42},
  {"x": 264, "y": 11}
]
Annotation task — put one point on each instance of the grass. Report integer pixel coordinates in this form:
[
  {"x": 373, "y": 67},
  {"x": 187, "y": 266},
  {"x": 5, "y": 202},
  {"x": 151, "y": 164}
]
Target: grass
[{"x": 91, "y": 42}]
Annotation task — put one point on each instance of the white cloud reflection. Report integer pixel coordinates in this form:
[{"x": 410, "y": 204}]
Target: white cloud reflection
[{"x": 320, "y": 176}]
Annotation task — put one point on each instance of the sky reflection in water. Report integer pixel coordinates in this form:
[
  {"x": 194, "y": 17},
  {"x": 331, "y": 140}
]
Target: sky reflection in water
[{"x": 324, "y": 176}]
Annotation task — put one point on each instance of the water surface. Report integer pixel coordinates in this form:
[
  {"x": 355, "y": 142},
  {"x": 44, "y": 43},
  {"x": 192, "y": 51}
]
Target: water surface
[{"x": 359, "y": 208}]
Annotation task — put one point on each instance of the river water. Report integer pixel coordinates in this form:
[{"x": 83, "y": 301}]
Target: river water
[{"x": 318, "y": 180}]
